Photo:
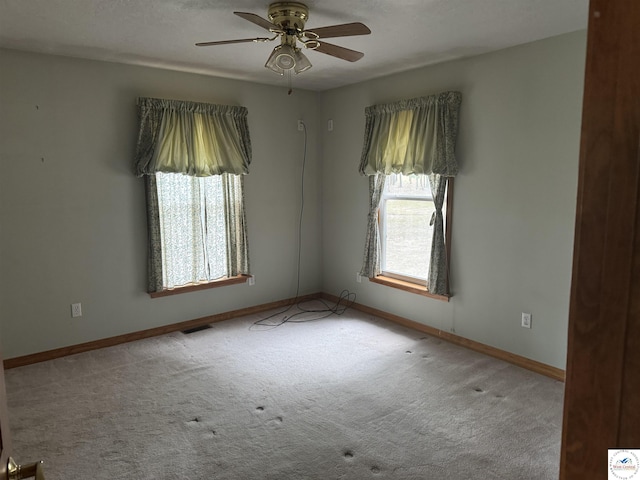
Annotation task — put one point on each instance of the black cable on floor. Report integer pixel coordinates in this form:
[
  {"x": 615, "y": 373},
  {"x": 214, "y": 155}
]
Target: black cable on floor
[
  {"x": 338, "y": 309},
  {"x": 345, "y": 301}
]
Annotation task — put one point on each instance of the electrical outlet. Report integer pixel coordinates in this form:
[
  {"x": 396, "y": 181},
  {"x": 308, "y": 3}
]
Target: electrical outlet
[
  {"x": 252, "y": 281},
  {"x": 526, "y": 320},
  {"x": 300, "y": 125},
  {"x": 76, "y": 310}
]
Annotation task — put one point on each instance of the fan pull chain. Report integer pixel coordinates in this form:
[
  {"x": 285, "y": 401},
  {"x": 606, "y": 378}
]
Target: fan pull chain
[{"x": 289, "y": 82}]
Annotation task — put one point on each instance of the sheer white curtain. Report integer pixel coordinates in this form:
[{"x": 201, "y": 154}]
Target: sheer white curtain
[{"x": 192, "y": 229}]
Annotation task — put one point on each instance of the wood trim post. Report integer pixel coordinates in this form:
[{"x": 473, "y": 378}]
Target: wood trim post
[{"x": 602, "y": 397}]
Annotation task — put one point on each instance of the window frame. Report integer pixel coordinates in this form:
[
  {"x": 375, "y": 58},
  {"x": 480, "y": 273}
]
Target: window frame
[
  {"x": 404, "y": 282},
  {"x": 201, "y": 284},
  {"x": 383, "y": 235},
  {"x": 199, "y": 201}
]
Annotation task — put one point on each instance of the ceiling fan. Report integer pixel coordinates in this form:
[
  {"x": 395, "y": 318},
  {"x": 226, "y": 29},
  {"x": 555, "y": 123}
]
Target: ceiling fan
[{"x": 287, "y": 21}]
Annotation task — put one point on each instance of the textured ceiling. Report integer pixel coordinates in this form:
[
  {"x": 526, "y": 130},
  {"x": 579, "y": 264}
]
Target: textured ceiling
[{"x": 405, "y": 33}]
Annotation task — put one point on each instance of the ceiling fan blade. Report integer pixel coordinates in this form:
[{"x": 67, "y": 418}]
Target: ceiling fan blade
[
  {"x": 344, "y": 30},
  {"x": 258, "y": 20},
  {"x": 227, "y": 42},
  {"x": 339, "y": 52}
]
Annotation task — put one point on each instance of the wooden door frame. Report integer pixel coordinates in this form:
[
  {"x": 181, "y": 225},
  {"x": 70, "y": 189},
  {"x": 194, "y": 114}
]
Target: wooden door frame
[
  {"x": 5, "y": 437},
  {"x": 602, "y": 392}
]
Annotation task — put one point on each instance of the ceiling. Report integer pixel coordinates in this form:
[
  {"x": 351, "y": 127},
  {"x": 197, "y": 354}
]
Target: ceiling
[{"x": 161, "y": 33}]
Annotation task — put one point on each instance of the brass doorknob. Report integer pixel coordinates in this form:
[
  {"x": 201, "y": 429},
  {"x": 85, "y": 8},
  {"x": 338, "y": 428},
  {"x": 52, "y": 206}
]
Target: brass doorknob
[{"x": 18, "y": 472}]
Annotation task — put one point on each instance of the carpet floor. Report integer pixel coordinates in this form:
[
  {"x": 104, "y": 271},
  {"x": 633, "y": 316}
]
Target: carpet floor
[{"x": 346, "y": 397}]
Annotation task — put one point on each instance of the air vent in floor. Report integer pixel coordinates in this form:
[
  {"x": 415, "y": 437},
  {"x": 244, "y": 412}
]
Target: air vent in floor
[{"x": 195, "y": 329}]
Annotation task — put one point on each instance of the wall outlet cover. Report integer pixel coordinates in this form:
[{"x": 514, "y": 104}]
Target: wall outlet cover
[{"x": 76, "y": 310}]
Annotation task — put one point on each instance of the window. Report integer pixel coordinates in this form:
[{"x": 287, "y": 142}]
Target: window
[
  {"x": 193, "y": 157},
  {"x": 201, "y": 231},
  {"x": 192, "y": 229},
  {"x": 406, "y": 213},
  {"x": 404, "y": 141}
]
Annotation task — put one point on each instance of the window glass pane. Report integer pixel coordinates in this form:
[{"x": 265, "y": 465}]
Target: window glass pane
[
  {"x": 407, "y": 185},
  {"x": 408, "y": 237},
  {"x": 181, "y": 230},
  {"x": 216, "y": 236},
  {"x": 192, "y": 228}
]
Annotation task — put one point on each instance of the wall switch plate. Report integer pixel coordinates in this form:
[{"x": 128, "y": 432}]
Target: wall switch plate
[
  {"x": 252, "y": 281},
  {"x": 330, "y": 125},
  {"x": 526, "y": 320},
  {"x": 358, "y": 277},
  {"x": 76, "y": 310},
  {"x": 300, "y": 125}
]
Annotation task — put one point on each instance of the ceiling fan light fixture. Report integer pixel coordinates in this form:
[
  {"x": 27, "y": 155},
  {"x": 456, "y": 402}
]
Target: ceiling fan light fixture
[
  {"x": 282, "y": 58},
  {"x": 302, "y": 62},
  {"x": 272, "y": 65},
  {"x": 286, "y": 57}
]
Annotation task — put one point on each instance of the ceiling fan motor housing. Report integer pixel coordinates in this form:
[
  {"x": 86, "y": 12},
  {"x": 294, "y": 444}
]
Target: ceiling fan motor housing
[{"x": 289, "y": 16}]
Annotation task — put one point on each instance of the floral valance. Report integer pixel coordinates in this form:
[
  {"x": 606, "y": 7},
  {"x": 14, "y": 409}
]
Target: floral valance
[
  {"x": 197, "y": 139},
  {"x": 412, "y": 136}
]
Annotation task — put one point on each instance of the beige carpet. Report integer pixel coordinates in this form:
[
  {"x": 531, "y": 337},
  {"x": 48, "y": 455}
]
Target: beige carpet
[{"x": 349, "y": 397}]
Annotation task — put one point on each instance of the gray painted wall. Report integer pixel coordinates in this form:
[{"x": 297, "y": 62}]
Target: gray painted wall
[
  {"x": 514, "y": 201},
  {"x": 72, "y": 227}
]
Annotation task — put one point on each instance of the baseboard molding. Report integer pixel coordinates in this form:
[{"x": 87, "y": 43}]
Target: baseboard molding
[
  {"x": 152, "y": 332},
  {"x": 538, "y": 367},
  {"x": 520, "y": 361}
]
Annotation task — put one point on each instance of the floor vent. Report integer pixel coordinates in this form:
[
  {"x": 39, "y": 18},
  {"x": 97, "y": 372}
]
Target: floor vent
[{"x": 195, "y": 329}]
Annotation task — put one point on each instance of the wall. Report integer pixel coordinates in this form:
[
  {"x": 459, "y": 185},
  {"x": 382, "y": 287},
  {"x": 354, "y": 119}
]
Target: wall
[
  {"x": 514, "y": 201},
  {"x": 72, "y": 218},
  {"x": 72, "y": 214}
]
